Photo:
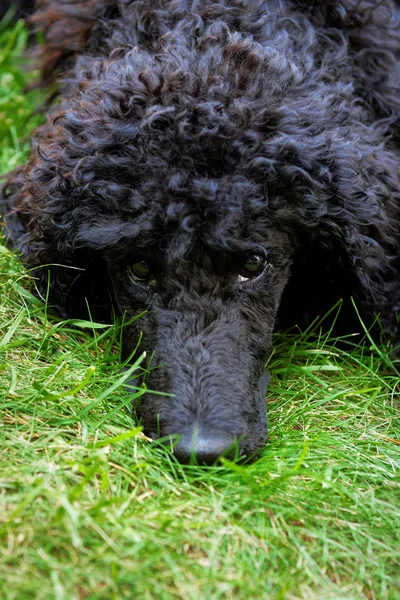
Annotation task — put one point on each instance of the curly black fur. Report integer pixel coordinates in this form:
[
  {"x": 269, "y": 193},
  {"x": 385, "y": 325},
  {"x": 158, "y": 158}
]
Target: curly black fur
[{"x": 193, "y": 133}]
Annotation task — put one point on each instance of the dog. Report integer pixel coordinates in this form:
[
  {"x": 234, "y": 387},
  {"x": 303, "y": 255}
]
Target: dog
[{"x": 224, "y": 168}]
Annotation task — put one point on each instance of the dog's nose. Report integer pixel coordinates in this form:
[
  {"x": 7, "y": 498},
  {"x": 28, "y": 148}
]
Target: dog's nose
[{"x": 205, "y": 446}]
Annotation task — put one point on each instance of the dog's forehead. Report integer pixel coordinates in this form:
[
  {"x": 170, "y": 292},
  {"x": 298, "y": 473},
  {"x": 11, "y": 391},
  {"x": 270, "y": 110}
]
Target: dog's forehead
[
  {"x": 206, "y": 217},
  {"x": 179, "y": 210},
  {"x": 189, "y": 202},
  {"x": 215, "y": 213}
]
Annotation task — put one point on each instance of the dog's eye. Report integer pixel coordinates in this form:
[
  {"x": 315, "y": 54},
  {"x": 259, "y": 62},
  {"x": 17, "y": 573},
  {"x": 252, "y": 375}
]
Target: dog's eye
[
  {"x": 142, "y": 272},
  {"x": 253, "y": 266}
]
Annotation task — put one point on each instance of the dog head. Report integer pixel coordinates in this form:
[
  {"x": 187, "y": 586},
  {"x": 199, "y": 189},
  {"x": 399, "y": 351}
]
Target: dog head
[
  {"x": 204, "y": 266},
  {"x": 182, "y": 183}
]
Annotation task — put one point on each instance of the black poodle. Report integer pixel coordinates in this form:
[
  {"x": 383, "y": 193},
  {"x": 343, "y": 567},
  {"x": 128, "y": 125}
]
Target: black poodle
[{"x": 221, "y": 167}]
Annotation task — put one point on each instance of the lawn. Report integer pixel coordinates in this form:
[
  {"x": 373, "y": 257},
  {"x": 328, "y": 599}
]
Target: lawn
[{"x": 91, "y": 509}]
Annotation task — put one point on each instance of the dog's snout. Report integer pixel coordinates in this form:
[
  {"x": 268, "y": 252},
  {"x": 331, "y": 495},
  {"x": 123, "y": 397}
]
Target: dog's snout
[{"x": 204, "y": 446}]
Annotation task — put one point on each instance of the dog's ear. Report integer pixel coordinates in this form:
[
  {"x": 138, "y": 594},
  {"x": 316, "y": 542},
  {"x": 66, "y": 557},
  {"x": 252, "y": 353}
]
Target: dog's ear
[
  {"x": 366, "y": 217},
  {"x": 74, "y": 283},
  {"x": 349, "y": 239}
]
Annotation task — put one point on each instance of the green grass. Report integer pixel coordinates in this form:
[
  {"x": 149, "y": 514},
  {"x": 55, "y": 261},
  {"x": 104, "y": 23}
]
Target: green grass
[
  {"x": 90, "y": 509},
  {"x": 15, "y": 105}
]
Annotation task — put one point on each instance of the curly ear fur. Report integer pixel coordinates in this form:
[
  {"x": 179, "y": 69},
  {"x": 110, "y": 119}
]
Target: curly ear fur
[
  {"x": 75, "y": 283},
  {"x": 349, "y": 207},
  {"x": 308, "y": 111}
]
